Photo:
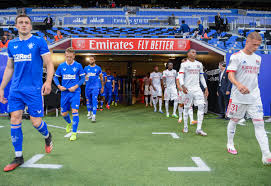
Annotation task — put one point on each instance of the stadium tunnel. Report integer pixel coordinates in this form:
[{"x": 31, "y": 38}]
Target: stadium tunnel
[{"x": 132, "y": 65}]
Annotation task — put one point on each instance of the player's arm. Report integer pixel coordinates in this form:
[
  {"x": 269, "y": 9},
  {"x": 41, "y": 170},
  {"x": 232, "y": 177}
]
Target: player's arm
[
  {"x": 119, "y": 84},
  {"x": 6, "y": 78},
  {"x": 179, "y": 88},
  {"x": 151, "y": 84},
  {"x": 181, "y": 79},
  {"x": 243, "y": 89},
  {"x": 56, "y": 76},
  {"x": 102, "y": 82},
  {"x": 113, "y": 81},
  {"x": 203, "y": 82},
  {"x": 164, "y": 79}
]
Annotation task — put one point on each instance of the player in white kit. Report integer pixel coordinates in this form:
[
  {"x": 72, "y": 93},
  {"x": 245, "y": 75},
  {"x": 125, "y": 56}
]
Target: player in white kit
[
  {"x": 147, "y": 89},
  {"x": 190, "y": 74},
  {"x": 181, "y": 101},
  {"x": 243, "y": 71},
  {"x": 170, "y": 93},
  {"x": 156, "y": 82}
]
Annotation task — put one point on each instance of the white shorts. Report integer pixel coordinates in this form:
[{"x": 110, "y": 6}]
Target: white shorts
[
  {"x": 195, "y": 97},
  {"x": 147, "y": 91},
  {"x": 170, "y": 93},
  {"x": 181, "y": 97},
  {"x": 238, "y": 110},
  {"x": 158, "y": 92}
]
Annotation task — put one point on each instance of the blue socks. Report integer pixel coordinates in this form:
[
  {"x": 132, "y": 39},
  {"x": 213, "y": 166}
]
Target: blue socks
[
  {"x": 17, "y": 139},
  {"x": 75, "y": 118},
  {"x": 88, "y": 105},
  {"x": 67, "y": 118},
  {"x": 102, "y": 103},
  {"x": 42, "y": 128}
]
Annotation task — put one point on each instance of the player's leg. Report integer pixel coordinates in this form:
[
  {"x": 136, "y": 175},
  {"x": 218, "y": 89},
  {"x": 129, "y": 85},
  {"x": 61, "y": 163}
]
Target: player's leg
[
  {"x": 90, "y": 103},
  {"x": 87, "y": 103},
  {"x": 154, "y": 100},
  {"x": 34, "y": 101},
  {"x": 65, "y": 108},
  {"x": 17, "y": 139},
  {"x": 75, "y": 102},
  {"x": 199, "y": 101},
  {"x": 191, "y": 116},
  {"x": 188, "y": 101},
  {"x": 174, "y": 96},
  {"x": 109, "y": 99},
  {"x": 166, "y": 98},
  {"x": 116, "y": 97},
  {"x": 94, "y": 104},
  {"x": 235, "y": 112},
  {"x": 146, "y": 100},
  {"x": 180, "y": 109},
  {"x": 255, "y": 111}
]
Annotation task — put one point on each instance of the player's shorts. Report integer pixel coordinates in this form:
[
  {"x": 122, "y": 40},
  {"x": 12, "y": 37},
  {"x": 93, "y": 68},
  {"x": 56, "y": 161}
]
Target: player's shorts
[
  {"x": 108, "y": 92},
  {"x": 181, "y": 97},
  {"x": 238, "y": 110},
  {"x": 92, "y": 93},
  {"x": 170, "y": 93},
  {"x": 195, "y": 97},
  {"x": 70, "y": 100},
  {"x": 116, "y": 91},
  {"x": 147, "y": 91},
  {"x": 158, "y": 92},
  {"x": 34, "y": 100}
]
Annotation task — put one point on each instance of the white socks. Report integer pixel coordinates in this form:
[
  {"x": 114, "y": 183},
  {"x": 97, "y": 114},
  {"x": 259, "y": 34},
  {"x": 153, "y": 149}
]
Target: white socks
[
  {"x": 175, "y": 107},
  {"x": 160, "y": 104},
  {"x": 180, "y": 112},
  {"x": 190, "y": 112},
  {"x": 200, "y": 116},
  {"x": 146, "y": 100},
  {"x": 166, "y": 105},
  {"x": 185, "y": 117}
]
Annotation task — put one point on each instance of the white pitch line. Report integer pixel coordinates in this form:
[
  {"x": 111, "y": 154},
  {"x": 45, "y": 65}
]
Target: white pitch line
[
  {"x": 79, "y": 132},
  {"x": 57, "y": 127},
  {"x": 1, "y": 126},
  {"x": 173, "y": 135},
  {"x": 31, "y": 163},
  {"x": 268, "y": 132},
  {"x": 201, "y": 167}
]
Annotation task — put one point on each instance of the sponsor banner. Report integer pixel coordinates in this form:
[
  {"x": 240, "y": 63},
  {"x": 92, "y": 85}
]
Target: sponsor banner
[
  {"x": 143, "y": 44},
  {"x": 119, "y": 20},
  {"x": 39, "y": 18}
]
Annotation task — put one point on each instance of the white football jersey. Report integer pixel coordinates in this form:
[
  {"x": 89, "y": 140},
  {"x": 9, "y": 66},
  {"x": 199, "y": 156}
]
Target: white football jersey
[
  {"x": 246, "y": 68},
  {"x": 146, "y": 81},
  {"x": 191, "y": 71},
  {"x": 156, "y": 78},
  {"x": 170, "y": 76}
]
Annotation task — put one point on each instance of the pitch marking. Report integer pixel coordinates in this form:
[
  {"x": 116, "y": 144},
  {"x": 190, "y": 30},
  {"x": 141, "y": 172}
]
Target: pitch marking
[
  {"x": 31, "y": 163},
  {"x": 173, "y": 135},
  {"x": 1, "y": 126},
  {"x": 201, "y": 167},
  {"x": 79, "y": 132}
]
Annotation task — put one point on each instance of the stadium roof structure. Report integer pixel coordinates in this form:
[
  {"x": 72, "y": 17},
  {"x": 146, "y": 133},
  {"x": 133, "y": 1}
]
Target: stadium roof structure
[{"x": 238, "y": 4}]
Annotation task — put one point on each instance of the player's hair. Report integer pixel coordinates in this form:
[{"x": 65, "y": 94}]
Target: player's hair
[
  {"x": 169, "y": 62},
  {"x": 190, "y": 50},
  {"x": 155, "y": 66},
  {"x": 255, "y": 35},
  {"x": 70, "y": 50},
  {"x": 94, "y": 57},
  {"x": 22, "y": 15},
  {"x": 183, "y": 21},
  {"x": 222, "y": 63}
]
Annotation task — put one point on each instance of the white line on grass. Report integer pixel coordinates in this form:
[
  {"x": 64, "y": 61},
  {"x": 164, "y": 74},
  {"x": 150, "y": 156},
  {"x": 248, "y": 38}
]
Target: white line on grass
[
  {"x": 57, "y": 127},
  {"x": 1, "y": 126},
  {"x": 79, "y": 132},
  {"x": 174, "y": 135},
  {"x": 201, "y": 167},
  {"x": 268, "y": 132},
  {"x": 31, "y": 163}
]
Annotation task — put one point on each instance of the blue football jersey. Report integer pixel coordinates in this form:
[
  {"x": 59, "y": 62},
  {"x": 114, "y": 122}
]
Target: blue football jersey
[
  {"x": 93, "y": 74},
  {"x": 116, "y": 82},
  {"x": 104, "y": 75},
  {"x": 28, "y": 63},
  {"x": 109, "y": 82},
  {"x": 70, "y": 74}
]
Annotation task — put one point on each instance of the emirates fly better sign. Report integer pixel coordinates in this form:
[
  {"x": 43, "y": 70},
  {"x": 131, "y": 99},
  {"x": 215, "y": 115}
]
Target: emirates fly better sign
[{"x": 143, "y": 44}]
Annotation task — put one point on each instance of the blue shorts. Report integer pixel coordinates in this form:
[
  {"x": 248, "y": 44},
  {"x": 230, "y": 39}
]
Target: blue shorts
[
  {"x": 70, "y": 100},
  {"x": 92, "y": 93},
  {"x": 33, "y": 99},
  {"x": 108, "y": 92}
]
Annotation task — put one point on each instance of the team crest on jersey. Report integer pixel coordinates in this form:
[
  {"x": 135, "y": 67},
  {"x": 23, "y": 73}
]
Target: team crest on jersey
[
  {"x": 95, "y": 70},
  {"x": 15, "y": 47},
  {"x": 74, "y": 69},
  {"x": 64, "y": 69},
  {"x": 257, "y": 62},
  {"x": 244, "y": 62},
  {"x": 30, "y": 45},
  {"x": 198, "y": 66}
]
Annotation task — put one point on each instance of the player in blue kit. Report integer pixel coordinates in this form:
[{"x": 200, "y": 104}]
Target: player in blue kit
[
  {"x": 102, "y": 95},
  {"x": 94, "y": 79},
  {"x": 109, "y": 88},
  {"x": 116, "y": 89},
  {"x": 73, "y": 76},
  {"x": 26, "y": 56}
]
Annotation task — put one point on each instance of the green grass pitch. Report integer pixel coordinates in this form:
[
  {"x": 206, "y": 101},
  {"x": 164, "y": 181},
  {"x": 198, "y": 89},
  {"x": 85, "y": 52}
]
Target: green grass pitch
[{"x": 123, "y": 151}]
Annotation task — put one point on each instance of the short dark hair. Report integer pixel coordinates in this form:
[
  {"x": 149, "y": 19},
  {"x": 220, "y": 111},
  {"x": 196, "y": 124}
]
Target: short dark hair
[
  {"x": 183, "y": 21},
  {"x": 23, "y": 15},
  {"x": 93, "y": 57},
  {"x": 190, "y": 50},
  {"x": 222, "y": 63}
]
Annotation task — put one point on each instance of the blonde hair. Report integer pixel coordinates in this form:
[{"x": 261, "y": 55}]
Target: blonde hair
[
  {"x": 255, "y": 35},
  {"x": 70, "y": 50}
]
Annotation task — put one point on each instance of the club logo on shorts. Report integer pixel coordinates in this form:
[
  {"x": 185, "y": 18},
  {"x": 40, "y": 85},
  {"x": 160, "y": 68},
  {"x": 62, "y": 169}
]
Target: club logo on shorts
[
  {"x": 64, "y": 69},
  {"x": 77, "y": 105},
  {"x": 30, "y": 45},
  {"x": 39, "y": 111}
]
